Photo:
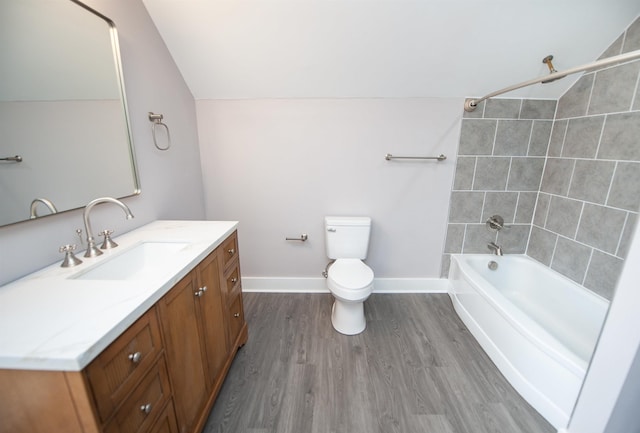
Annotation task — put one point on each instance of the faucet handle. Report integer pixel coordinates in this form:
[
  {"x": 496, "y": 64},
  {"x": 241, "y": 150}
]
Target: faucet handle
[
  {"x": 496, "y": 222},
  {"x": 108, "y": 243},
  {"x": 70, "y": 259},
  {"x": 79, "y": 233}
]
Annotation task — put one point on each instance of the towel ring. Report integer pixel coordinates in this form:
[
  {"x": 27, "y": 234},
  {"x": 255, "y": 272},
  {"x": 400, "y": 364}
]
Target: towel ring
[{"x": 156, "y": 122}]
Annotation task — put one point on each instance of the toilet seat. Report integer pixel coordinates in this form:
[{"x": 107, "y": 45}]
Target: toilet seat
[{"x": 350, "y": 279}]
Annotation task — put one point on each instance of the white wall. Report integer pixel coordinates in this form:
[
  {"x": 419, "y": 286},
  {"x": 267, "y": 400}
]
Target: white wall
[
  {"x": 280, "y": 166},
  {"x": 171, "y": 181}
]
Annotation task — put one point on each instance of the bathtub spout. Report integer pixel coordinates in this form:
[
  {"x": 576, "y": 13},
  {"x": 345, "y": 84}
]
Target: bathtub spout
[{"x": 497, "y": 249}]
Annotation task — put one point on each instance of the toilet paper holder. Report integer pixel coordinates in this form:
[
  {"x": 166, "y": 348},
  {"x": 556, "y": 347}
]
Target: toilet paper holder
[{"x": 303, "y": 237}]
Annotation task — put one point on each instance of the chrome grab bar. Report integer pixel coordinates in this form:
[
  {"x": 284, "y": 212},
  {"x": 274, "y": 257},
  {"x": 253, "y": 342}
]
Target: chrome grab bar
[
  {"x": 16, "y": 158},
  {"x": 440, "y": 157}
]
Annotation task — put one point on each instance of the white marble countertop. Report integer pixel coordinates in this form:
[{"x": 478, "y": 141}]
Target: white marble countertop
[{"x": 50, "y": 321}]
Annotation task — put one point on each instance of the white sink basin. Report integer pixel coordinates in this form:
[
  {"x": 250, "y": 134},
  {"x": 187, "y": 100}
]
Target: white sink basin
[{"x": 141, "y": 261}]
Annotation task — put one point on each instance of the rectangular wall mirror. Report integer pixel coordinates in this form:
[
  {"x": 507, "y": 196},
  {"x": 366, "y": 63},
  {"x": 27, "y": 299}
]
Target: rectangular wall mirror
[{"x": 63, "y": 110}]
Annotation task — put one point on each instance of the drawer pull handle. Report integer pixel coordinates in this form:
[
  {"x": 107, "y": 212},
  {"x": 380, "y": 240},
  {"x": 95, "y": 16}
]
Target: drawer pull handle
[
  {"x": 232, "y": 251},
  {"x": 236, "y": 314},
  {"x": 135, "y": 357},
  {"x": 234, "y": 280},
  {"x": 145, "y": 408}
]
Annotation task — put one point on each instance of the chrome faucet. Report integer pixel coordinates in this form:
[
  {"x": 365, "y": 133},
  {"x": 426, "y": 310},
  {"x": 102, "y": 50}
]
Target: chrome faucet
[
  {"x": 497, "y": 249},
  {"x": 46, "y": 202},
  {"x": 92, "y": 250}
]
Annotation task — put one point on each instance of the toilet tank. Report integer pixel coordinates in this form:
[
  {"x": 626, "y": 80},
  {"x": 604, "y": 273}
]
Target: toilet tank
[{"x": 347, "y": 237}]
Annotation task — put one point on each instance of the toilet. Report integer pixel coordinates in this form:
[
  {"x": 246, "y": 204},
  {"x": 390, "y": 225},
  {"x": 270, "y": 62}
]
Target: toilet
[{"x": 349, "y": 280}]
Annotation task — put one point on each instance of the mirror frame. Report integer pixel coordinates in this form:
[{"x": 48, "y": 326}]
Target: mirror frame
[{"x": 119, "y": 76}]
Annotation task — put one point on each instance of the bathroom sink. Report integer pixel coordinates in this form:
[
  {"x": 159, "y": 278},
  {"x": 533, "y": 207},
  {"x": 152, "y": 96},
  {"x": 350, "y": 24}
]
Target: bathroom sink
[{"x": 142, "y": 261}]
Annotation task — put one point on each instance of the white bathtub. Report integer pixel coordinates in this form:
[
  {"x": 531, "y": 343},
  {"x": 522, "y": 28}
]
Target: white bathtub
[{"x": 537, "y": 326}]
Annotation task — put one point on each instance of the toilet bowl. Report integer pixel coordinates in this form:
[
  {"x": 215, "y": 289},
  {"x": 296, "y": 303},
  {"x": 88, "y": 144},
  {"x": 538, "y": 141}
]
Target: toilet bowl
[
  {"x": 350, "y": 281},
  {"x": 348, "y": 278}
]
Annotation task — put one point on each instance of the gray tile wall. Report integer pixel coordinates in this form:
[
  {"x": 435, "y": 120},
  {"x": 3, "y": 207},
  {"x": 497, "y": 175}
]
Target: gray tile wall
[
  {"x": 589, "y": 197},
  {"x": 566, "y": 180},
  {"x": 501, "y": 158}
]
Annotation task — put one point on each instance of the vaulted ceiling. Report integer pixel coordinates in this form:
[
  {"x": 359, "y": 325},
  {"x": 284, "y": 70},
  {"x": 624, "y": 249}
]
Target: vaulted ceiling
[{"x": 237, "y": 49}]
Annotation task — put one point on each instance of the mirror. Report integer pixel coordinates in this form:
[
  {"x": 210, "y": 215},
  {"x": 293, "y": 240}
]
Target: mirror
[{"x": 64, "y": 131}]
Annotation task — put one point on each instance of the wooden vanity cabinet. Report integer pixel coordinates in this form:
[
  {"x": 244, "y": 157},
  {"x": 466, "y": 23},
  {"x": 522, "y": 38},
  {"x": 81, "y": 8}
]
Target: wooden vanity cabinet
[
  {"x": 196, "y": 328},
  {"x": 196, "y": 348},
  {"x": 161, "y": 375},
  {"x": 232, "y": 291},
  {"x": 183, "y": 339}
]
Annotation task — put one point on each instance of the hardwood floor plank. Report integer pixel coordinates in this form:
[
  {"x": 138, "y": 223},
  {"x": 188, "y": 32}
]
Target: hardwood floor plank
[{"x": 416, "y": 368}]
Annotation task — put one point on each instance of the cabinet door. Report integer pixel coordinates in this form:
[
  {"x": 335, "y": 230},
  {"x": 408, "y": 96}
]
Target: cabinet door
[
  {"x": 179, "y": 317},
  {"x": 212, "y": 316}
]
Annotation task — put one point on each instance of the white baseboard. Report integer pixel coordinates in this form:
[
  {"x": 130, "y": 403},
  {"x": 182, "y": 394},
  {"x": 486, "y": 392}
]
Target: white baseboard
[{"x": 319, "y": 285}]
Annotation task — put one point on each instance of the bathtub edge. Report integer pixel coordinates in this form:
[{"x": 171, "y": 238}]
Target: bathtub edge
[{"x": 549, "y": 410}]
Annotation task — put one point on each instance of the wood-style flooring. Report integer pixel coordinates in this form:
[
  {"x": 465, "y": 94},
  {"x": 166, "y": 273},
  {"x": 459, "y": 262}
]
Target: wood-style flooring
[{"x": 416, "y": 368}]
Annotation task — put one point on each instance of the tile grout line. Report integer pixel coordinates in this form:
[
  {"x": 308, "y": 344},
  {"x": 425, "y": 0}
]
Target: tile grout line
[
  {"x": 553, "y": 252},
  {"x": 564, "y": 137},
  {"x": 586, "y": 271},
  {"x": 546, "y": 214},
  {"x": 604, "y": 125},
  {"x": 506, "y": 184},
  {"x": 575, "y": 233},
  {"x": 579, "y": 242},
  {"x": 593, "y": 84},
  {"x": 533, "y": 123},
  {"x": 515, "y": 212},
  {"x": 624, "y": 226},
  {"x": 573, "y": 170},
  {"x": 613, "y": 176},
  {"x": 473, "y": 177},
  {"x": 590, "y": 202},
  {"x": 495, "y": 136},
  {"x": 635, "y": 92}
]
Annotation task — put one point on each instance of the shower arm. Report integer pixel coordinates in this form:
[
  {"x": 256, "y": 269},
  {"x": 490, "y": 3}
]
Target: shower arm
[{"x": 471, "y": 104}]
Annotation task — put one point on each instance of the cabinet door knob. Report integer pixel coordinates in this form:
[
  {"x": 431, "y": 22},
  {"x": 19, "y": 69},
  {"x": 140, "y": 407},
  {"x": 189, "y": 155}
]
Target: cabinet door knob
[
  {"x": 135, "y": 357},
  {"x": 232, "y": 251},
  {"x": 234, "y": 280},
  {"x": 204, "y": 289},
  {"x": 145, "y": 408},
  {"x": 199, "y": 292},
  {"x": 236, "y": 314}
]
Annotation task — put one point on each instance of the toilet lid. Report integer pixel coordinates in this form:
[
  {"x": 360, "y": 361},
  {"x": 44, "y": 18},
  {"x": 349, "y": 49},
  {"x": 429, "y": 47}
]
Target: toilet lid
[{"x": 351, "y": 273}]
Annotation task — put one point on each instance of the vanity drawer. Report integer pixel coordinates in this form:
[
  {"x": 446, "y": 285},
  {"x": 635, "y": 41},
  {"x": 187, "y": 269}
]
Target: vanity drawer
[
  {"x": 229, "y": 249},
  {"x": 167, "y": 421},
  {"x": 232, "y": 279},
  {"x": 114, "y": 373},
  {"x": 236, "y": 318},
  {"x": 145, "y": 403}
]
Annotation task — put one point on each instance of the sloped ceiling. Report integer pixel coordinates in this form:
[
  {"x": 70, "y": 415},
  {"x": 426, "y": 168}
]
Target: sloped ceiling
[{"x": 237, "y": 49}]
